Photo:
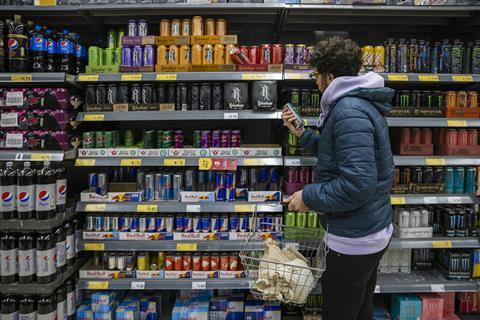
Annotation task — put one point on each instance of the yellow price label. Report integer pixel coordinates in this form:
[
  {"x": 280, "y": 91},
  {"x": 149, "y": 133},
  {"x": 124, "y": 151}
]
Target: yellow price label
[
  {"x": 244, "y": 208},
  {"x": 93, "y": 117},
  {"x": 98, "y": 207},
  {"x": 166, "y": 77},
  {"x": 205, "y": 163},
  {"x": 21, "y": 77},
  {"x": 397, "y": 77},
  {"x": 147, "y": 208},
  {"x": 88, "y": 77},
  {"x": 174, "y": 162},
  {"x": 94, "y": 246},
  {"x": 435, "y": 162},
  {"x": 41, "y": 157},
  {"x": 297, "y": 76},
  {"x": 84, "y": 162},
  {"x": 186, "y": 247},
  {"x": 131, "y": 77},
  {"x": 130, "y": 162},
  {"x": 253, "y": 162},
  {"x": 437, "y": 244},
  {"x": 97, "y": 285},
  {"x": 462, "y": 78},
  {"x": 429, "y": 78},
  {"x": 398, "y": 201},
  {"x": 254, "y": 76},
  {"x": 456, "y": 123}
]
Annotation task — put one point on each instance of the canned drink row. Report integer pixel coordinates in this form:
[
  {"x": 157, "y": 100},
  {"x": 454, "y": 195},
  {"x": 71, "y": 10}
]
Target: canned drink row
[
  {"x": 195, "y": 54},
  {"x": 262, "y": 54},
  {"x": 302, "y": 219},
  {"x": 114, "y": 38},
  {"x": 458, "y": 222},
  {"x": 137, "y": 28},
  {"x": 197, "y": 26},
  {"x": 301, "y": 175},
  {"x": 104, "y": 57},
  {"x": 298, "y": 54},
  {"x": 203, "y": 223},
  {"x": 138, "y": 56},
  {"x": 456, "y": 261}
]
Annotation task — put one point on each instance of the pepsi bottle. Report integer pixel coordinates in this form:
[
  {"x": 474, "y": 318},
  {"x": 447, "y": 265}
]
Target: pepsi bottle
[
  {"x": 70, "y": 242},
  {"x": 26, "y": 309},
  {"x": 8, "y": 258},
  {"x": 51, "y": 51},
  {"x": 26, "y": 258},
  {"x": 2, "y": 47},
  {"x": 67, "y": 53},
  {"x": 45, "y": 258},
  {"x": 79, "y": 56},
  {"x": 47, "y": 308},
  {"x": 61, "y": 296},
  {"x": 71, "y": 301},
  {"x": 8, "y": 308},
  {"x": 8, "y": 192},
  {"x": 61, "y": 187},
  {"x": 26, "y": 192},
  {"x": 45, "y": 192},
  {"x": 78, "y": 236},
  {"x": 60, "y": 251},
  {"x": 38, "y": 51},
  {"x": 17, "y": 45}
]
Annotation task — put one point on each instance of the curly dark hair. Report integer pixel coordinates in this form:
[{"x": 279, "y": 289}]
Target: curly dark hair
[{"x": 338, "y": 56}]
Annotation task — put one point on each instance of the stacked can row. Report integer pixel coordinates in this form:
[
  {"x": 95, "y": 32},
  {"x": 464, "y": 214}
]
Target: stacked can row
[
  {"x": 436, "y": 99},
  {"x": 440, "y": 136},
  {"x": 197, "y": 26}
]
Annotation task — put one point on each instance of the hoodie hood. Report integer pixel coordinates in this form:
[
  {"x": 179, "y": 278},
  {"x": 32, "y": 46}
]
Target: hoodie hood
[{"x": 369, "y": 86}]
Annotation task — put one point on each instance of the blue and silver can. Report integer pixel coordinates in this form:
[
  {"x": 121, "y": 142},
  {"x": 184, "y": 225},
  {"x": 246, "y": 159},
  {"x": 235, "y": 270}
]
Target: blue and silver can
[
  {"x": 206, "y": 223},
  {"x": 220, "y": 192},
  {"x": 90, "y": 223},
  {"x": 179, "y": 221},
  {"x": 189, "y": 180},
  {"x": 459, "y": 180},
  {"x": 230, "y": 179},
  {"x": 98, "y": 224},
  {"x": 244, "y": 223},
  {"x": 142, "y": 224},
  {"x": 92, "y": 182},
  {"x": 160, "y": 224},
  {"x": 151, "y": 224},
  {"x": 114, "y": 224},
  {"x": 176, "y": 187},
  {"x": 169, "y": 223},
  {"x": 158, "y": 186},
  {"x": 148, "y": 192},
  {"x": 102, "y": 184},
  {"x": 142, "y": 28},
  {"x": 166, "y": 187},
  {"x": 126, "y": 56},
  {"x": 435, "y": 57},
  {"x": 268, "y": 223},
  {"x": 140, "y": 180},
  {"x": 132, "y": 28},
  {"x": 278, "y": 222},
  {"x": 234, "y": 223},
  {"x": 223, "y": 223},
  {"x": 137, "y": 56},
  {"x": 134, "y": 224},
  {"x": 107, "y": 224},
  {"x": 260, "y": 222},
  {"x": 197, "y": 223},
  {"x": 215, "y": 223},
  {"x": 188, "y": 223},
  {"x": 470, "y": 179},
  {"x": 123, "y": 223},
  {"x": 448, "y": 179}
]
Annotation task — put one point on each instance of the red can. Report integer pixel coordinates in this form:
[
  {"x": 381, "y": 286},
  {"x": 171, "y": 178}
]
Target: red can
[
  {"x": 214, "y": 262},
  {"x": 197, "y": 262},
  {"x": 451, "y": 137},
  {"x": 405, "y": 136},
  {"x": 313, "y": 172},
  {"x": 169, "y": 266},
  {"x": 265, "y": 54},
  {"x": 187, "y": 262},
  {"x": 303, "y": 176},
  {"x": 252, "y": 54},
  {"x": 426, "y": 136},
  {"x": 292, "y": 175},
  {"x": 416, "y": 136},
  {"x": 244, "y": 50},
  {"x": 462, "y": 137},
  {"x": 472, "y": 137},
  {"x": 178, "y": 262},
  {"x": 206, "y": 262},
  {"x": 441, "y": 133},
  {"x": 238, "y": 57},
  {"x": 224, "y": 262},
  {"x": 233, "y": 261},
  {"x": 277, "y": 57}
]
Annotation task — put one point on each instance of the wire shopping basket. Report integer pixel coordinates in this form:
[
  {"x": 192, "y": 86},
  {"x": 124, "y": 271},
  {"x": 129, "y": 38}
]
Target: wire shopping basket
[{"x": 273, "y": 279}]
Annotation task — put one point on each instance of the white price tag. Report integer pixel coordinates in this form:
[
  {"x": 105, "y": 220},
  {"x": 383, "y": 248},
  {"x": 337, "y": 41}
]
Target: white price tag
[
  {"x": 14, "y": 98},
  {"x": 292, "y": 162},
  {"x": 377, "y": 289},
  {"x": 193, "y": 208},
  {"x": 19, "y": 156},
  {"x": 137, "y": 285},
  {"x": 14, "y": 140},
  {"x": 230, "y": 116},
  {"x": 9, "y": 119},
  {"x": 294, "y": 245},
  {"x": 430, "y": 200},
  {"x": 437, "y": 288},
  {"x": 454, "y": 200},
  {"x": 199, "y": 285}
]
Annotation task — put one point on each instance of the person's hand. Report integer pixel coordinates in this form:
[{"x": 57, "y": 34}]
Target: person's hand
[
  {"x": 288, "y": 120},
  {"x": 295, "y": 202}
]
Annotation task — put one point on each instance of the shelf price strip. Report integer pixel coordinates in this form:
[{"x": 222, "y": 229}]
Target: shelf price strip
[
  {"x": 98, "y": 285},
  {"x": 186, "y": 247},
  {"x": 131, "y": 77},
  {"x": 199, "y": 285},
  {"x": 398, "y": 77},
  {"x": 137, "y": 285},
  {"x": 457, "y": 123},
  {"x": 85, "y": 162},
  {"x": 435, "y": 162},
  {"x": 95, "y": 246},
  {"x": 94, "y": 117},
  {"x": 130, "y": 162},
  {"x": 21, "y": 77},
  {"x": 88, "y": 77},
  {"x": 174, "y": 162},
  {"x": 99, "y": 207},
  {"x": 458, "y": 78},
  {"x": 147, "y": 208},
  {"x": 438, "y": 244},
  {"x": 398, "y": 201},
  {"x": 166, "y": 77},
  {"x": 428, "y": 78}
]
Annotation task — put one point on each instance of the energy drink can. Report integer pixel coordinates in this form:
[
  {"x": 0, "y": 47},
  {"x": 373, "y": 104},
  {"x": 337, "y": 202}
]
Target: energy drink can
[
  {"x": 127, "y": 56},
  {"x": 197, "y": 223},
  {"x": 225, "y": 139},
  {"x": 470, "y": 179},
  {"x": 178, "y": 139},
  {"x": 243, "y": 225},
  {"x": 230, "y": 189},
  {"x": 312, "y": 220},
  {"x": 102, "y": 184},
  {"x": 137, "y": 56},
  {"x": 176, "y": 186},
  {"x": 172, "y": 55},
  {"x": 92, "y": 182},
  {"x": 206, "y": 223},
  {"x": 459, "y": 180},
  {"x": 132, "y": 28},
  {"x": 220, "y": 191},
  {"x": 301, "y": 219},
  {"x": 166, "y": 187},
  {"x": 268, "y": 221},
  {"x": 215, "y": 222},
  {"x": 278, "y": 223},
  {"x": 168, "y": 223},
  {"x": 134, "y": 224},
  {"x": 158, "y": 186},
  {"x": 179, "y": 219},
  {"x": 142, "y": 224},
  {"x": 160, "y": 224},
  {"x": 217, "y": 97},
  {"x": 188, "y": 185},
  {"x": 107, "y": 224},
  {"x": 216, "y": 137},
  {"x": 148, "y": 192},
  {"x": 90, "y": 226},
  {"x": 449, "y": 180},
  {"x": 98, "y": 226},
  {"x": 188, "y": 223},
  {"x": 123, "y": 224},
  {"x": 223, "y": 223},
  {"x": 234, "y": 224},
  {"x": 260, "y": 226},
  {"x": 205, "y": 139},
  {"x": 114, "y": 224},
  {"x": 207, "y": 54},
  {"x": 142, "y": 28}
]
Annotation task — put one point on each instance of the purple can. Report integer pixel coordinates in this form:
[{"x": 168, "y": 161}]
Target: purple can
[
  {"x": 225, "y": 139},
  {"x": 142, "y": 28},
  {"x": 289, "y": 54},
  {"x": 300, "y": 54},
  {"x": 235, "y": 138},
  {"x": 132, "y": 28},
  {"x": 137, "y": 56},
  {"x": 309, "y": 53},
  {"x": 126, "y": 56},
  {"x": 216, "y": 136},
  {"x": 178, "y": 138},
  {"x": 148, "y": 56},
  {"x": 205, "y": 139}
]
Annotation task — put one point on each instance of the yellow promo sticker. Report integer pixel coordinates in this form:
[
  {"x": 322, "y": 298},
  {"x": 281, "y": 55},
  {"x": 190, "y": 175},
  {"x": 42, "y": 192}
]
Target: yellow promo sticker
[
  {"x": 84, "y": 162},
  {"x": 93, "y": 117},
  {"x": 205, "y": 163},
  {"x": 186, "y": 247},
  {"x": 45, "y": 2},
  {"x": 174, "y": 162},
  {"x": 130, "y": 162},
  {"x": 98, "y": 285},
  {"x": 98, "y": 207},
  {"x": 131, "y": 77},
  {"x": 435, "y": 162},
  {"x": 456, "y": 123},
  {"x": 398, "y": 77},
  {"x": 428, "y": 78},
  {"x": 254, "y": 76},
  {"x": 244, "y": 208},
  {"x": 88, "y": 77},
  {"x": 147, "y": 208},
  {"x": 166, "y": 77},
  {"x": 458, "y": 78},
  {"x": 94, "y": 247},
  {"x": 253, "y": 162},
  {"x": 437, "y": 244},
  {"x": 396, "y": 201},
  {"x": 297, "y": 76},
  {"x": 18, "y": 77},
  {"x": 41, "y": 157}
]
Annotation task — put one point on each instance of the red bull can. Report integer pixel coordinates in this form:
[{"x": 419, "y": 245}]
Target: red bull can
[
  {"x": 142, "y": 224},
  {"x": 197, "y": 223},
  {"x": 244, "y": 223},
  {"x": 166, "y": 187},
  {"x": 220, "y": 191},
  {"x": 151, "y": 227},
  {"x": 106, "y": 224},
  {"x": 179, "y": 220},
  {"x": 206, "y": 223},
  {"x": 123, "y": 224},
  {"x": 230, "y": 191},
  {"x": 188, "y": 223},
  {"x": 234, "y": 223},
  {"x": 268, "y": 223},
  {"x": 160, "y": 224},
  {"x": 98, "y": 225},
  {"x": 134, "y": 224},
  {"x": 215, "y": 224},
  {"x": 114, "y": 224},
  {"x": 90, "y": 223},
  {"x": 223, "y": 223},
  {"x": 176, "y": 187},
  {"x": 157, "y": 190},
  {"x": 92, "y": 182},
  {"x": 148, "y": 192},
  {"x": 260, "y": 222},
  {"x": 169, "y": 223},
  {"x": 102, "y": 184},
  {"x": 278, "y": 223}
]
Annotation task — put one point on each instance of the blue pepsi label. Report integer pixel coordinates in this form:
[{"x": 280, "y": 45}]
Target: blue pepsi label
[
  {"x": 38, "y": 43},
  {"x": 7, "y": 194},
  {"x": 78, "y": 50},
  {"x": 66, "y": 47},
  {"x": 51, "y": 46}
]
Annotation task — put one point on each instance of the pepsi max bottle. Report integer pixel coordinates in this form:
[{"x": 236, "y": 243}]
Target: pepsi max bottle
[
  {"x": 71, "y": 299},
  {"x": 61, "y": 187},
  {"x": 67, "y": 53},
  {"x": 17, "y": 45},
  {"x": 45, "y": 192},
  {"x": 47, "y": 308},
  {"x": 38, "y": 50},
  {"x": 26, "y": 192},
  {"x": 8, "y": 308},
  {"x": 8, "y": 192},
  {"x": 26, "y": 258},
  {"x": 80, "y": 56},
  {"x": 2, "y": 46},
  {"x": 8, "y": 258},
  {"x": 70, "y": 242},
  {"x": 51, "y": 64},
  {"x": 60, "y": 251},
  {"x": 61, "y": 296},
  {"x": 26, "y": 309},
  {"x": 45, "y": 258}
]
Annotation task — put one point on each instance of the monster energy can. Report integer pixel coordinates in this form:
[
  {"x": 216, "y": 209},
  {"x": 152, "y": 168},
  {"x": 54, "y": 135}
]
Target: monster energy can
[
  {"x": 128, "y": 139},
  {"x": 108, "y": 139},
  {"x": 167, "y": 138},
  {"x": 197, "y": 138},
  {"x": 88, "y": 140},
  {"x": 149, "y": 139},
  {"x": 99, "y": 139}
]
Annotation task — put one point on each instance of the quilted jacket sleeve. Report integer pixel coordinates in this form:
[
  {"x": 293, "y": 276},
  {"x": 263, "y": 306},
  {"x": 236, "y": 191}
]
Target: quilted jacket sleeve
[
  {"x": 309, "y": 141},
  {"x": 353, "y": 135}
]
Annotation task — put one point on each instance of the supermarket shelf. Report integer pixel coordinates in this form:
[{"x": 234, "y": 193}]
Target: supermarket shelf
[
  {"x": 417, "y": 122},
  {"x": 299, "y": 161},
  {"x": 182, "y": 115},
  {"x": 36, "y": 225},
  {"x": 36, "y": 77},
  {"x": 121, "y": 207},
  {"x": 174, "y": 284},
  {"x": 406, "y": 199},
  {"x": 189, "y": 162},
  {"x": 436, "y": 242},
  {"x": 166, "y": 245},
  {"x": 32, "y": 155},
  {"x": 44, "y": 289}
]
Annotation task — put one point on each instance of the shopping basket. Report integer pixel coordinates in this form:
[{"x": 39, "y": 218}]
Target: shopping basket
[{"x": 271, "y": 280}]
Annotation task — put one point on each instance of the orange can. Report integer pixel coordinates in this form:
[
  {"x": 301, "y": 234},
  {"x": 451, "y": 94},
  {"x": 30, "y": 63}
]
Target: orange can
[
  {"x": 196, "y": 54},
  {"x": 197, "y": 26},
  {"x": 228, "y": 49},
  {"x": 209, "y": 27},
  {"x": 207, "y": 54},
  {"x": 221, "y": 27},
  {"x": 186, "y": 27},
  {"x": 184, "y": 55},
  {"x": 214, "y": 262},
  {"x": 450, "y": 99},
  {"x": 164, "y": 27},
  {"x": 172, "y": 54},
  {"x": 162, "y": 55},
  {"x": 187, "y": 261},
  {"x": 461, "y": 99},
  {"x": 472, "y": 99},
  {"x": 176, "y": 27},
  {"x": 219, "y": 54}
]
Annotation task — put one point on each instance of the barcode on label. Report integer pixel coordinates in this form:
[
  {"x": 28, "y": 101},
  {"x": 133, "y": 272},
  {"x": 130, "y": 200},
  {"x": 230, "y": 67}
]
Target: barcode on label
[
  {"x": 199, "y": 285},
  {"x": 14, "y": 98},
  {"x": 9, "y": 119},
  {"x": 230, "y": 116},
  {"x": 14, "y": 140}
]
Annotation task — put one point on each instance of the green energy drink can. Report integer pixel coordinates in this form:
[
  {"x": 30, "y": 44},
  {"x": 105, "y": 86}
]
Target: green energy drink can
[
  {"x": 129, "y": 140},
  {"x": 315, "y": 99},
  {"x": 120, "y": 35},
  {"x": 295, "y": 97},
  {"x": 312, "y": 220},
  {"x": 116, "y": 138},
  {"x": 197, "y": 138},
  {"x": 292, "y": 144},
  {"x": 301, "y": 220},
  {"x": 149, "y": 137},
  {"x": 167, "y": 138},
  {"x": 290, "y": 219},
  {"x": 109, "y": 139},
  {"x": 159, "y": 139},
  {"x": 100, "y": 57},
  {"x": 111, "y": 39},
  {"x": 99, "y": 139},
  {"x": 93, "y": 56},
  {"x": 88, "y": 140},
  {"x": 108, "y": 56},
  {"x": 117, "y": 57}
]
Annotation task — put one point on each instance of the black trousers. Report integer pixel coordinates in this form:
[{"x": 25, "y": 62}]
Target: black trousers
[{"x": 348, "y": 286}]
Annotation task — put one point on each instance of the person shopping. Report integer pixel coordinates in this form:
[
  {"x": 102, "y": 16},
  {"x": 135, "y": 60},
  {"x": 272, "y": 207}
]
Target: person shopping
[{"x": 354, "y": 175}]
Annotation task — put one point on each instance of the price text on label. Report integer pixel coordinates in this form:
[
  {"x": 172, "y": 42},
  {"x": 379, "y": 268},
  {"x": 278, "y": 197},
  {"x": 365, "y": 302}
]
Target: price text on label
[
  {"x": 462, "y": 78},
  {"x": 21, "y": 77},
  {"x": 429, "y": 78},
  {"x": 99, "y": 207},
  {"x": 186, "y": 247},
  {"x": 88, "y": 77},
  {"x": 131, "y": 162},
  {"x": 85, "y": 162},
  {"x": 205, "y": 163},
  {"x": 166, "y": 77},
  {"x": 244, "y": 208},
  {"x": 174, "y": 162},
  {"x": 93, "y": 117},
  {"x": 230, "y": 116},
  {"x": 437, "y": 288},
  {"x": 41, "y": 157},
  {"x": 131, "y": 77},
  {"x": 137, "y": 285},
  {"x": 437, "y": 244},
  {"x": 94, "y": 246},
  {"x": 147, "y": 208},
  {"x": 456, "y": 123},
  {"x": 397, "y": 77},
  {"x": 398, "y": 200},
  {"x": 254, "y": 76},
  {"x": 199, "y": 285},
  {"x": 435, "y": 162},
  {"x": 97, "y": 285}
]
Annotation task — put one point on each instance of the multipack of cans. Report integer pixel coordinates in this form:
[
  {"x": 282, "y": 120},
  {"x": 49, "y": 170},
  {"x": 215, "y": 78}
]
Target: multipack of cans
[
  {"x": 109, "y": 56},
  {"x": 298, "y": 54},
  {"x": 306, "y": 101},
  {"x": 454, "y": 263},
  {"x": 436, "y": 99},
  {"x": 262, "y": 54},
  {"x": 40, "y": 98}
]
